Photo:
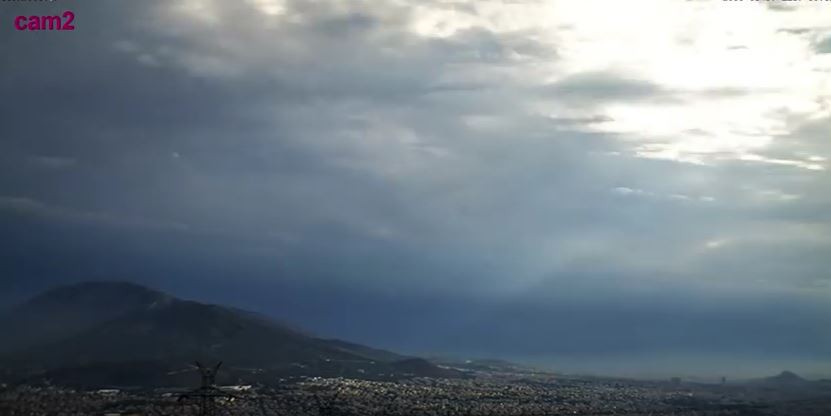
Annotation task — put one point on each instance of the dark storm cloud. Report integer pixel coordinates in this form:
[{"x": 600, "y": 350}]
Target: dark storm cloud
[{"x": 337, "y": 161}]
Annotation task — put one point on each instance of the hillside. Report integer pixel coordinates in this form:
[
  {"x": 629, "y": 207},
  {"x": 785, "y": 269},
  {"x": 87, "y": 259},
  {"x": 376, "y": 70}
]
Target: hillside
[
  {"x": 92, "y": 328},
  {"x": 68, "y": 310}
]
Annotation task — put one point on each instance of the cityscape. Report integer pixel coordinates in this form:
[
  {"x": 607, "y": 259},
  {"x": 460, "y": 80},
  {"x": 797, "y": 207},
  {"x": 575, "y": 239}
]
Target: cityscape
[{"x": 482, "y": 395}]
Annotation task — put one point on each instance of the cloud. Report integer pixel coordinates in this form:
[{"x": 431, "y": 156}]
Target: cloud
[
  {"x": 29, "y": 207},
  {"x": 581, "y": 120},
  {"x": 53, "y": 162},
  {"x": 483, "y": 155},
  {"x": 824, "y": 45},
  {"x": 606, "y": 87},
  {"x": 781, "y": 7}
]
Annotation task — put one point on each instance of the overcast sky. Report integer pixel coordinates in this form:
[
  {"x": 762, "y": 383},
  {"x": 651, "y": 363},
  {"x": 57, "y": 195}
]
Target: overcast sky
[{"x": 595, "y": 185}]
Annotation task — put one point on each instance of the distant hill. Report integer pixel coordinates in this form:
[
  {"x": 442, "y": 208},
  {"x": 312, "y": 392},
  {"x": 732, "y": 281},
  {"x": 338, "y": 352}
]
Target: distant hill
[
  {"x": 784, "y": 378},
  {"x": 91, "y": 330},
  {"x": 786, "y": 381}
]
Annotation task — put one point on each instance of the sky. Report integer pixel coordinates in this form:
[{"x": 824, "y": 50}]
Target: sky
[{"x": 637, "y": 188}]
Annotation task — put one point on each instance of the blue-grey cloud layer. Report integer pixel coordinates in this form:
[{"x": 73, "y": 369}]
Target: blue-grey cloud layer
[{"x": 343, "y": 172}]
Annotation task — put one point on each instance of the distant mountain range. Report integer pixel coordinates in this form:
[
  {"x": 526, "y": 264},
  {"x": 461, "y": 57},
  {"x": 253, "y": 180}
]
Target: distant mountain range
[{"x": 105, "y": 333}]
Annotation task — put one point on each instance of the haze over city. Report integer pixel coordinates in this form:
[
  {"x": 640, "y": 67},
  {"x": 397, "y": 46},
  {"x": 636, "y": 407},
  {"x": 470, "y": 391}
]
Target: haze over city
[{"x": 633, "y": 188}]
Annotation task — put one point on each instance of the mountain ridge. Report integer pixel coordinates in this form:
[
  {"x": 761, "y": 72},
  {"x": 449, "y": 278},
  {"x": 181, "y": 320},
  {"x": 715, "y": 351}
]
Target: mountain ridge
[{"x": 100, "y": 324}]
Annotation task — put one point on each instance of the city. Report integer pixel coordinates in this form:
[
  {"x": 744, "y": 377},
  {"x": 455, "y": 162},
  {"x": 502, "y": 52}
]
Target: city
[{"x": 483, "y": 395}]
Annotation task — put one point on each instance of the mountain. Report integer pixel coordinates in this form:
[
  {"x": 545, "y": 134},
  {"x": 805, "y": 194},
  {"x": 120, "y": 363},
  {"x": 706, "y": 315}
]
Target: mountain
[
  {"x": 97, "y": 328},
  {"x": 784, "y": 381},
  {"x": 68, "y": 310},
  {"x": 364, "y": 351},
  {"x": 785, "y": 378}
]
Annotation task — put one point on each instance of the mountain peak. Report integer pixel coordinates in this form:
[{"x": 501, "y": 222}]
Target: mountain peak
[
  {"x": 72, "y": 308},
  {"x": 787, "y": 376},
  {"x": 100, "y": 288},
  {"x": 96, "y": 295}
]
